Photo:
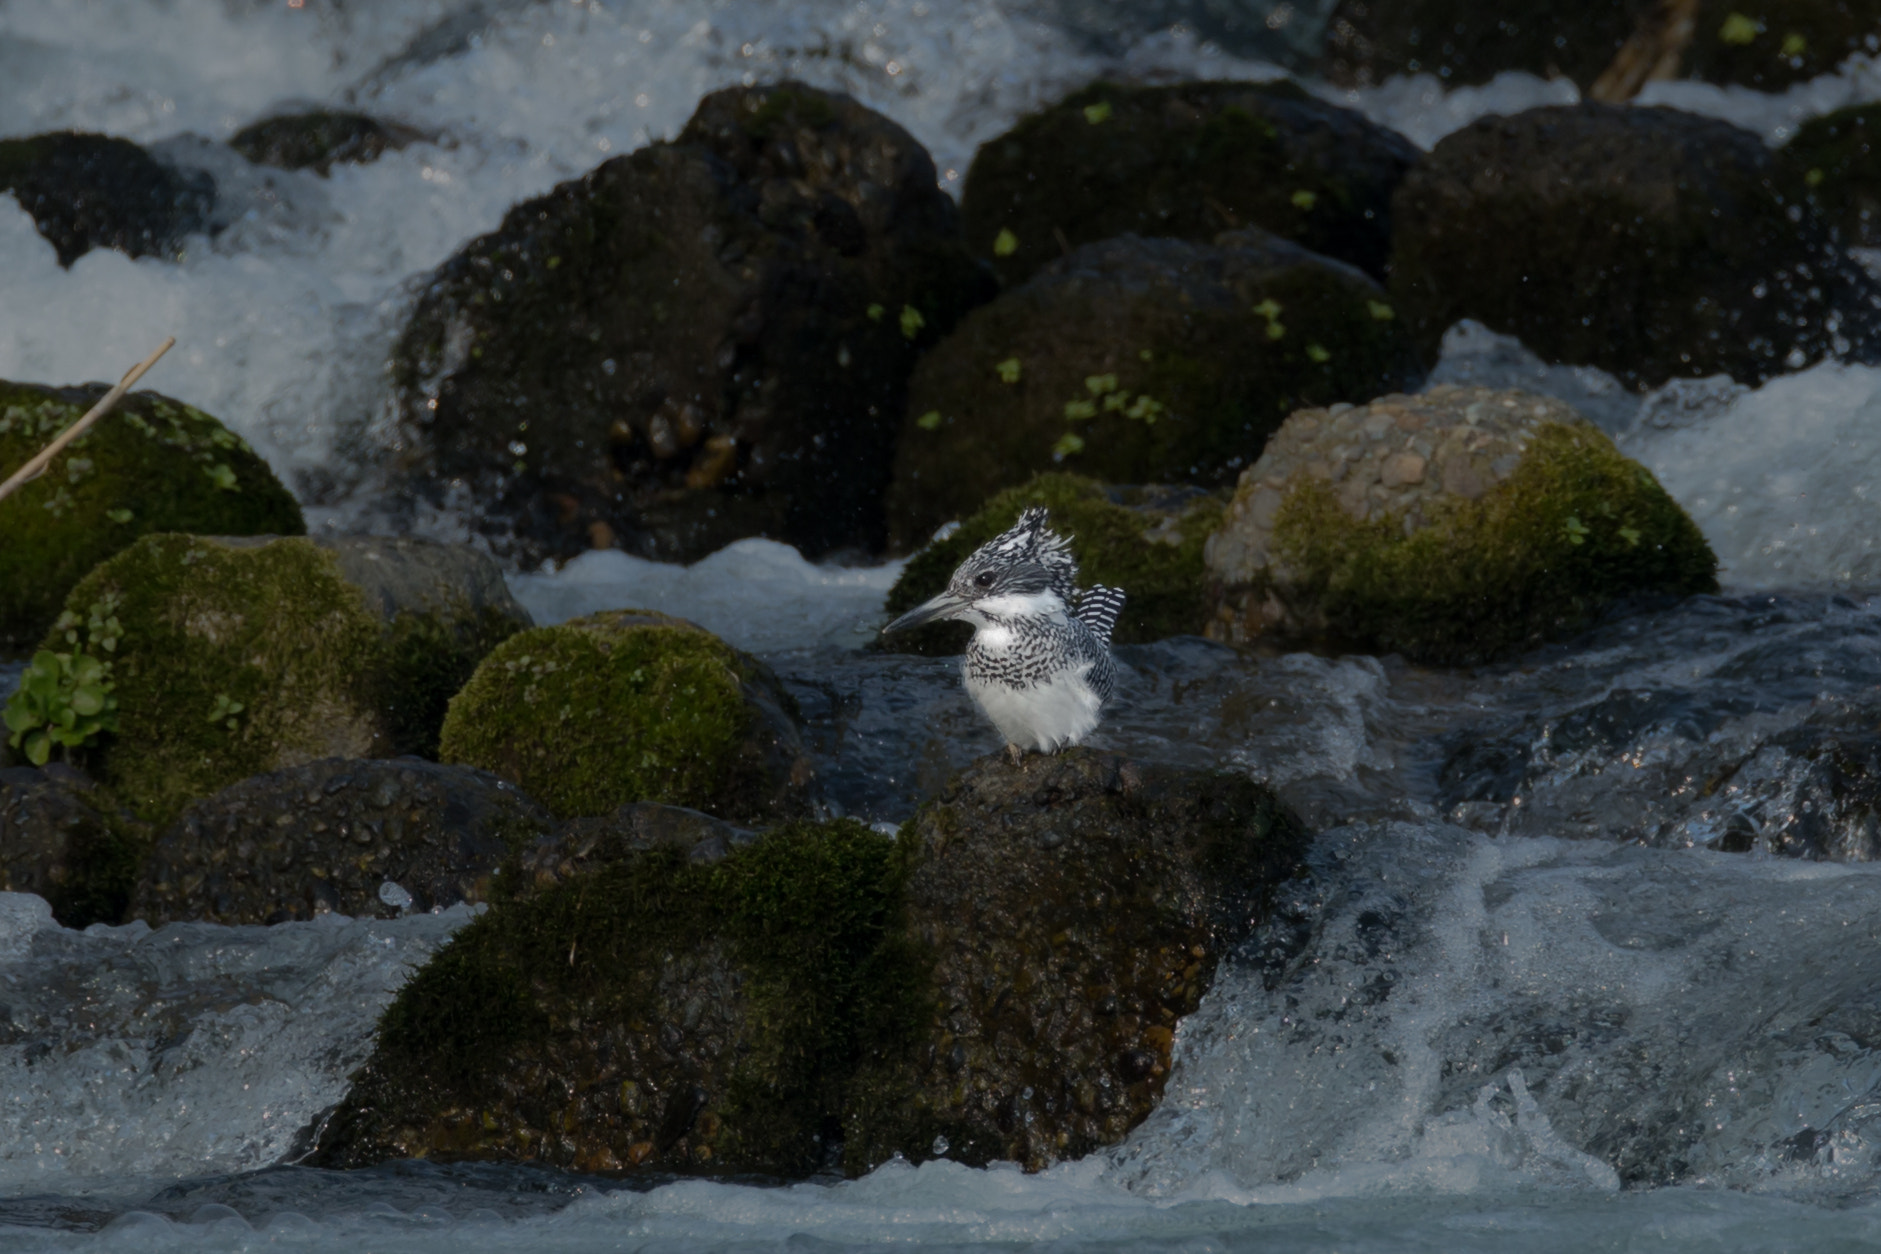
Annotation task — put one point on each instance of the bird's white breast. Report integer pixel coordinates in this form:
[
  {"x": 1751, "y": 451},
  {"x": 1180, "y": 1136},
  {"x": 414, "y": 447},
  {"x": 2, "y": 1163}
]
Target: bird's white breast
[{"x": 1045, "y": 716}]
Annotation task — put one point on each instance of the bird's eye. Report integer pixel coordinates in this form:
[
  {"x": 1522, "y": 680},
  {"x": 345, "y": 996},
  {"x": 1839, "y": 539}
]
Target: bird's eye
[{"x": 983, "y": 580}]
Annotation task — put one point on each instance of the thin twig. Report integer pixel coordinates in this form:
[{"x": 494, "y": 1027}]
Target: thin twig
[{"x": 37, "y": 467}]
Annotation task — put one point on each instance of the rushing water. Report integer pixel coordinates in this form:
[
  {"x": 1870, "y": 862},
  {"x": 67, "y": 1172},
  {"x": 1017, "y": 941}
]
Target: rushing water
[{"x": 1524, "y": 994}]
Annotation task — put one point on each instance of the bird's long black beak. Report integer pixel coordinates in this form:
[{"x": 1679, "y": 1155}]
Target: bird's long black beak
[{"x": 942, "y": 606}]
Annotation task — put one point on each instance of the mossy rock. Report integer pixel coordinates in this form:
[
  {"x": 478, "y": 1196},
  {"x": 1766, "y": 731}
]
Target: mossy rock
[
  {"x": 692, "y": 343},
  {"x": 1454, "y": 527},
  {"x": 1186, "y": 160},
  {"x": 1145, "y": 540},
  {"x": 630, "y": 705},
  {"x": 1765, "y": 44},
  {"x": 242, "y": 655},
  {"x": 320, "y": 139},
  {"x": 1651, "y": 243},
  {"x": 1074, "y": 912},
  {"x": 97, "y": 191},
  {"x": 153, "y": 464},
  {"x": 661, "y": 1004},
  {"x": 1138, "y": 360},
  {"x": 368, "y": 839},
  {"x": 65, "y": 839},
  {"x": 1839, "y": 154}
]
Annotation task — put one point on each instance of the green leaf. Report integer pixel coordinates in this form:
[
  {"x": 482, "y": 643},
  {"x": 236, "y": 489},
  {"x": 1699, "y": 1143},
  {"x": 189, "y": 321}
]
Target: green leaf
[
  {"x": 38, "y": 748},
  {"x": 20, "y": 715},
  {"x": 1005, "y": 244},
  {"x": 88, "y": 699}
]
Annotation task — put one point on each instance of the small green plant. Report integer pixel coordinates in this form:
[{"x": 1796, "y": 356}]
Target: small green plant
[{"x": 64, "y": 699}]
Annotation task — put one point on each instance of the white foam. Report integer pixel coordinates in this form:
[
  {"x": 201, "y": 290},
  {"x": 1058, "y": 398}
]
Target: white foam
[{"x": 758, "y": 595}]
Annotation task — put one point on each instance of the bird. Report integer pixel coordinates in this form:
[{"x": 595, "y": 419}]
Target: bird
[{"x": 1039, "y": 664}]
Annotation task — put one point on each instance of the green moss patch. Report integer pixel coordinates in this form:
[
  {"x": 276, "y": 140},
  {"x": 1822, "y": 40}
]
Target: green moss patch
[
  {"x": 615, "y": 707},
  {"x": 653, "y": 1010},
  {"x": 234, "y": 660},
  {"x": 153, "y": 465},
  {"x": 1120, "y": 536},
  {"x": 1576, "y": 526}
]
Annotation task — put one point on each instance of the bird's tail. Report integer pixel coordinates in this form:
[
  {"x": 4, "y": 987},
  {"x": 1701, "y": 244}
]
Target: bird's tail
[{"x": 1098, "y": 609}]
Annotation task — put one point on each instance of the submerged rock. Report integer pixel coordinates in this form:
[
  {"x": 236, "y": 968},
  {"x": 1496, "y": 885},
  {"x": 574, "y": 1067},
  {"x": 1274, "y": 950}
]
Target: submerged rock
[
  {"x": 1145, "y": 540},
  {"x": 95, "y": 191},
  {"x": 1074, "y": 912},
  {"x": 64, "y": 838},
  {"x": 153, "y": 464},
  {"x": 1840, "y": 158},
  {"x": 1138, "y": 359},
  {"x": 1651, "y": 243},
  {"x": 694, "y": 343},
  {"x": 1188, "y": 160},
  {"x": 648, "y": 999},
  {"x": 631, "y": 705},
  {"x": 320, "y": 139},
  {"x": 231, "y": 656},
  {"x": 360, "y": 838},
  {"x": 1455, "y": 526}
]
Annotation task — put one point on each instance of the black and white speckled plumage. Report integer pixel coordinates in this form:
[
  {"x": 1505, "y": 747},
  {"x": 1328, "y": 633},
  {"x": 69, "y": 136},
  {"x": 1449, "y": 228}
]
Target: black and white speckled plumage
[{"x": 1039, "y": 664}]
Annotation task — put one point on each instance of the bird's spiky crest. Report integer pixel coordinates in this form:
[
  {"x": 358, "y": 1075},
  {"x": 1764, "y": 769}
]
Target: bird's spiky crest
[{"x": 1031, "y": 541}]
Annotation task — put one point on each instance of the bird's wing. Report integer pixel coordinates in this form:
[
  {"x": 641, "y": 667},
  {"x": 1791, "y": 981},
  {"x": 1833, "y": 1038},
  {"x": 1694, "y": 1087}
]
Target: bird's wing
[{"x": 1098, "y": 609}]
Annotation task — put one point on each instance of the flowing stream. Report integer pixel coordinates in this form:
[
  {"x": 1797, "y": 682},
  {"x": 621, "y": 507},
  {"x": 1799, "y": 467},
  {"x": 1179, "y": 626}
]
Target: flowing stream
[{"x": 1564, "y": 971}]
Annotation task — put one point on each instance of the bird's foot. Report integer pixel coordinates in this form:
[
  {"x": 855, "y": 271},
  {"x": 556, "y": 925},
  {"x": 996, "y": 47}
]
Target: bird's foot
[{"x": 1017, "y": 755}]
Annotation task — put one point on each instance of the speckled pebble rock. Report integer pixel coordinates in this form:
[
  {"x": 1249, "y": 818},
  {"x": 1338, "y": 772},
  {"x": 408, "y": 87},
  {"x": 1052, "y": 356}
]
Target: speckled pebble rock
[
  {"x": 1452, "y": 526},
  {"x": 359, "y": 837}
]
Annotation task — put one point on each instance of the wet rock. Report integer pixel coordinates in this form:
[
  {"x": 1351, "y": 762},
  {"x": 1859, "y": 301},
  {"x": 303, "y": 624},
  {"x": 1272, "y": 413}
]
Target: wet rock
[
  {"x": 1146, "y": 540},
  {"x": 63, "y": 838},
  {"x": 1451, "y": 527},
  {"x": 1840, "y": 158},
  {"x": 94, "y": 191},
  {"x": 319, "y": 139},
  {"x": 1188, "y": 160},
  {"x": 235, "y": 656},
  {"x": 1075, "y": 911},
  {"x": 631, "y": 705},
  {"x": 645, "y": 1003},
  {"x": 1651, "y": 243},
  {"x": 153, "y": 465},
  {"x": 1766, "y": 44},
  {"x": 694, "y": 343},
  {"x": 1138, "y": 359},
  {"x": 360, "y": 838}
]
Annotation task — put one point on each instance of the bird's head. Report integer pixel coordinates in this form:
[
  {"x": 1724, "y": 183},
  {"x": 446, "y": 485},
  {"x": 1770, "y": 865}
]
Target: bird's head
[{"x": 1024, "y": 571}]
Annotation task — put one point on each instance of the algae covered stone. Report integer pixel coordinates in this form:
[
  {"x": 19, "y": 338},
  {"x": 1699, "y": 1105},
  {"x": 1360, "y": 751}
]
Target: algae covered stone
[
  {"x": 1138, "y": 360},
  {"x": 1073, "y": 912},
  {"x": 653, "y": 996},
  {"x": 233, "y": 656},
  {"x": 1144, "y": 540},
  {"x": 1455, "y": 526},
  {"x": 630, "y": 705},
  {"x": 1652, "y": 243},
  {"x": 154, "y": 464}
]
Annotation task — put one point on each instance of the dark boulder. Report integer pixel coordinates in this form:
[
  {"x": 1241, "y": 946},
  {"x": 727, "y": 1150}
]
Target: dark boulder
[
  {"x": 694, "y": 343},
  {"x": 1766, "y": 44},
  {"x": 1839, "y": 154},
  {"x": 64, "y": 838},
  {"x": 1075, "y": 911},
  {"x": 659, "y": 993},
  {"x": 358, "y": 837},
  {"x": 95, "y": 191},
  {"x": 320, "y": 139},
  {"x": 1138, "y": 360},
  {"x": 1189, "y": 160},
  {"x": 1651, "y": 243}
]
